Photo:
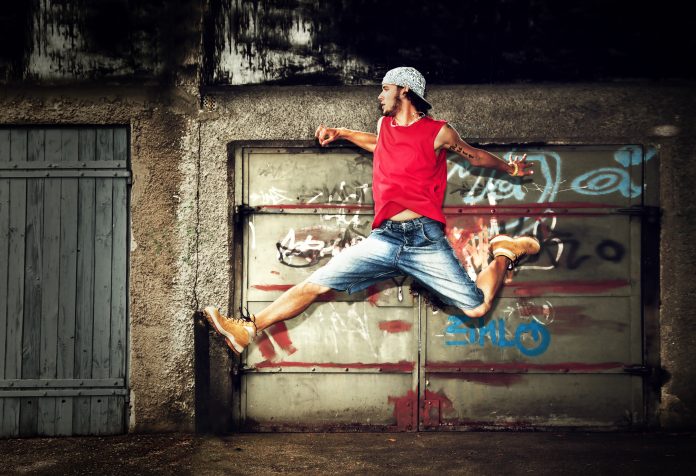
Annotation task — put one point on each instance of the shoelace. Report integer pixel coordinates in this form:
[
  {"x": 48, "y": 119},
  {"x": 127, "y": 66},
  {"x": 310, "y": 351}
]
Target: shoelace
[{"x": 245, "y": 316}]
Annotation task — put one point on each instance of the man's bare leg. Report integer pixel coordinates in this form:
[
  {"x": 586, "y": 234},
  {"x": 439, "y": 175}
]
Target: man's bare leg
[
  {"x": 240, "y": 331},
  {"x": 506, "y": 251},
  {"x": 489, "y": 282},
  {"x": 290, "y": 304}
]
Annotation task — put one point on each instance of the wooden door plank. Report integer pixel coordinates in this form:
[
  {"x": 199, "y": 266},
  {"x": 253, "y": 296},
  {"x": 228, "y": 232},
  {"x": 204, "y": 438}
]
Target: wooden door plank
[
  {"x": 33, "y": 289},
  {"x": 103, "y": 246},
  {"x": 119, "y": 291},
  {"x": 4, "y": 258},
  {"x": 18, "y": 145},
  {"x": 84, "y": 311},
  {"x": 119, "y": 294},
  {"x": 81, "y": 415},
  {"x": 4, "y": 261},
  {"x": 69, "y": 145},
  {"x": 15, "y": 300},
  {"x": 65, "y": 361},
  {"x": 64, "y": 416},
  {"x": 105, "y": 144},
  {"x": 50, "y": 282},
  {"x": 68, "y": 277},
  {"x": 5, "y": 145},
  {"x": 36, "y": 145}
]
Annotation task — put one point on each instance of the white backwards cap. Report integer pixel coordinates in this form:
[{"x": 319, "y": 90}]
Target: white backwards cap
[{"x": 406, "y": 76}]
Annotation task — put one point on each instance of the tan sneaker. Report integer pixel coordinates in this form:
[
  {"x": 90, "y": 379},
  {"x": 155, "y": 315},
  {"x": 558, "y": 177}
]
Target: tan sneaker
[
  {"x": 237, "y": 331},
  {"x": 515, "y": 248}
]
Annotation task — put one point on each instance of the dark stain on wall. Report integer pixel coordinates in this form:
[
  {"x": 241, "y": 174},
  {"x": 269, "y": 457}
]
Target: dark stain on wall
[
  {"x": 112, "y": 39},
  {"x": 153, "y": 36},
  {"x": 465, "y": 41},
  {"x": 15, "y": 37},
  {"x": 346, "y": 41}
]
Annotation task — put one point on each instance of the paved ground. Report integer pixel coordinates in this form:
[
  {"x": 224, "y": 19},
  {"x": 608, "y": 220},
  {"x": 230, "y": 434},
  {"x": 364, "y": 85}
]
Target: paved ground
[{"x": 478, "y": 454}]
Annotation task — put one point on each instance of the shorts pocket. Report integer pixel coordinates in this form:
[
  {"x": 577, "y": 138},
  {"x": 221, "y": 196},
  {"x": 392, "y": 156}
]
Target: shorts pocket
[{"x": 433, "y": 231}]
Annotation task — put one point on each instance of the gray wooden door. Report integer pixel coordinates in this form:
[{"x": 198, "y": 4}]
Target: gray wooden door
[{"x": 63, "y": 280}]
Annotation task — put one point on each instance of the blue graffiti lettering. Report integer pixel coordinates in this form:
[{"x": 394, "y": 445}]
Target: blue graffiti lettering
[
  {"x": 488, "y": 185},
  {"x": 472, "y": 331},
  {"x": 606, "y": 180},
  {"x": 540, "y": 335}
]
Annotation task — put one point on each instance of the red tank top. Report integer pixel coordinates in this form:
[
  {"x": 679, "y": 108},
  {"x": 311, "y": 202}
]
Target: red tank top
[{"x": 406, "y": 172}]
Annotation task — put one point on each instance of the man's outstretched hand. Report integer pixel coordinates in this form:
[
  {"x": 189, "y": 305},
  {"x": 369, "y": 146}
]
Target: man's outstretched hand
[
  {"x": 326, "y": 135},
  {"x": 523, "y": 167}
]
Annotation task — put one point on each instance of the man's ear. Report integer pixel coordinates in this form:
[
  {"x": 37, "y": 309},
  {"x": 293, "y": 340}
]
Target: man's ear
[{"x": 404, "y": 90}]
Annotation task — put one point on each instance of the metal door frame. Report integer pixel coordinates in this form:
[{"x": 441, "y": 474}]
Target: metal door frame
[{"x": 643, "y": 235}]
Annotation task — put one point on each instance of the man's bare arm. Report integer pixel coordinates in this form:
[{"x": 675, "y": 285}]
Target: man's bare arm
[
  {"x": 448, "y": 137},
  {"x": 364, "y": 140}
]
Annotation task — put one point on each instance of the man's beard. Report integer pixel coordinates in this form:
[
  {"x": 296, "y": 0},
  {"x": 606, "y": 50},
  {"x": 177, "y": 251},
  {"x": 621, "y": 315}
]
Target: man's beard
[{"x": 395, "y": 108}]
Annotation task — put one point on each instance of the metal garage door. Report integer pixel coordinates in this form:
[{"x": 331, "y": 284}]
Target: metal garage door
[
  {"x": 562, "y": 347},
  {"x": 63, "y": 273}
]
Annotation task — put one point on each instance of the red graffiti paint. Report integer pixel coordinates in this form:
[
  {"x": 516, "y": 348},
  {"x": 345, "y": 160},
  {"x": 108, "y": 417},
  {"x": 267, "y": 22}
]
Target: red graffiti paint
[
  {"x": 395, "y": 367},
  {"x": 275, "y": 272},
  {"x": 395, "y": 326},
  {"x": 434, "y": 407},
  {"x": 532, "y": 210},
  {"x": 266, "y": 346},
  {"x": 521, "y": 367},
  {"x": 568, "y": 323},
  {"x": 405, "y": 412},
  {"x": 531, "y": 206},
  {"x": 538, "y": 288},
  {"x": 280, "y": 334},
  {"x": 311, "y": 206},
  {"x": 272, "y": 287},
  {"x": 328, "y": 296},
  {"x": 373, "y": 295}
]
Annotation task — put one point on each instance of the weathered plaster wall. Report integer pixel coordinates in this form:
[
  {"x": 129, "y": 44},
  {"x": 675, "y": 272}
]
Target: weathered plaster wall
[{"x": 162, "y": 233}]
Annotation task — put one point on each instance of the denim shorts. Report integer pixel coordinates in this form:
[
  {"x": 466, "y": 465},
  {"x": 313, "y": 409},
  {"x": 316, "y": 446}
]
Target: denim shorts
[{"x": 417, "y": 248}]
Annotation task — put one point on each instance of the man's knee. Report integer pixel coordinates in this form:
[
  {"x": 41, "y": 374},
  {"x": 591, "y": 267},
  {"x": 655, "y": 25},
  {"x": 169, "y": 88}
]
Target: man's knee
[
  {"x": 479, "y": 311},
  {"x": 312, "y": 289}
]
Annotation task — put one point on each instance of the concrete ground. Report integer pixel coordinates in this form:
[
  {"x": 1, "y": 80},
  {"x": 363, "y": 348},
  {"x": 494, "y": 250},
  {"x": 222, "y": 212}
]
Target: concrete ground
[{"x": 350, "y": 453}]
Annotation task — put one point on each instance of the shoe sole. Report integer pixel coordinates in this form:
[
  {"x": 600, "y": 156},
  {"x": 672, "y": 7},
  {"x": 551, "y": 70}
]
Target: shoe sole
[
  {"x": 530, "y": 247},
  {"x": 532, "y": 244},
  {"x": 530, "y": 241},
  {"x": 210, "y": 317}
]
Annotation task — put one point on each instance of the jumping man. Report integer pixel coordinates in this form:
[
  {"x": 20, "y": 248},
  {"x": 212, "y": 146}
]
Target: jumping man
[{"x": 407, "y": 238}]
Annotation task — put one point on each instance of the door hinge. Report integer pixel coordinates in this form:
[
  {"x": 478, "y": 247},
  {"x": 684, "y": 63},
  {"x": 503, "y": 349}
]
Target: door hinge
[
  {"x": 243, "y": 210},
  {"x": 637, "y": 369},
  {"x": 640, "y": 211},
  {"x": 431, "y": 416}
]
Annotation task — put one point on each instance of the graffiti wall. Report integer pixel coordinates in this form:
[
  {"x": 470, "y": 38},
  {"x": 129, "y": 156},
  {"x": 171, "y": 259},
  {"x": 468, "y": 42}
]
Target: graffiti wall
[{"x": 567, "y": 318}]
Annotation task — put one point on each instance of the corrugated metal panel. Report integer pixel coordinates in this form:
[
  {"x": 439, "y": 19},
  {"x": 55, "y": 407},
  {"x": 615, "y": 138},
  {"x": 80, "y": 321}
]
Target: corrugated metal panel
[
  {"x": 569, "y": 318},
  {"x": 63, "y": 259}
]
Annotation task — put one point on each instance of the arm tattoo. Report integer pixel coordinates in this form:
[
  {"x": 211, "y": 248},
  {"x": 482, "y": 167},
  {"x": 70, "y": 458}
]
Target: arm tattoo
[{"x": 460, "y": 150}]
